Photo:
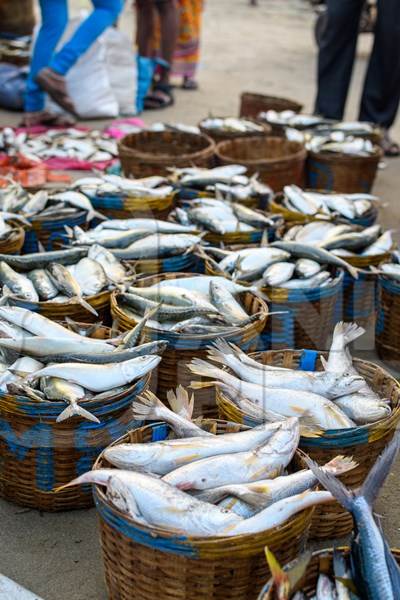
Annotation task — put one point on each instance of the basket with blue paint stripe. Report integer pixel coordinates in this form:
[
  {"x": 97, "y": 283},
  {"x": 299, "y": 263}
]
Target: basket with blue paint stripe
[
  {"x": 13, "y": 241},
  {"x": 150, "y": 562},
  {"x": 185, "y": 263},
  {"x": 362, "y": 443},
  {"x": 51, "y": 232},
  {"x": 387, "y": 333},
  {"x": 125, "y": 207},
  {"x": 182, "y": 347},
  {"x": 37, "y": 454}
]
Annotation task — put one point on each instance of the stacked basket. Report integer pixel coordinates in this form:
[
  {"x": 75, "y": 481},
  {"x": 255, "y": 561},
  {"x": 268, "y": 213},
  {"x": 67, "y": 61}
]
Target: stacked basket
[
  {"x": 50, "y": 233},
  {"x": 125, "y": 207},
  {"x": 251, "y": 105},
  {"x": 388, "y": 321}
]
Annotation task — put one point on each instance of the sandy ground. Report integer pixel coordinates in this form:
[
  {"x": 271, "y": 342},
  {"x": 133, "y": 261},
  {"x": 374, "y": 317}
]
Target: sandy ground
[{"x": 267, "y": 49}]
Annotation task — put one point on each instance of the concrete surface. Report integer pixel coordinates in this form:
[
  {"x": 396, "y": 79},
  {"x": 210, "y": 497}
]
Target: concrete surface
[{"x": 267, "y": 49}]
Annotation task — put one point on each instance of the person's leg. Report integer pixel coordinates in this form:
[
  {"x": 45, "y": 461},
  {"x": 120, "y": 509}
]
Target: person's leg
[
  {"x": 54, "y": 21},
  {"x": 381, "y": 96},
  {"x": 336, "y": 56},
  {"x": 145, "y": 27},
  {"x": 169, "y": 24}
]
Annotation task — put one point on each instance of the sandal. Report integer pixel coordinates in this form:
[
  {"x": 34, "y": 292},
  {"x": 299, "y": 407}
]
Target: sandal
[
  {"x": 389, "y": 146},
  {"x": 160, "y": 97},
  {"x": 190, "y": 84}
]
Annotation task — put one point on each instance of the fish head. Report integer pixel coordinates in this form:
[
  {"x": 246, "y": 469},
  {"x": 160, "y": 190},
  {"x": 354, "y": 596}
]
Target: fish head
[{"x": 342, "y": 385}]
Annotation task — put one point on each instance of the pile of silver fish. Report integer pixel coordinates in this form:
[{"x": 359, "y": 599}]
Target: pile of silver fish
[
  {"x": 229, "y": 181},
  {"x": 71, "y": 143},
  {"x": 105, "y": 184},
  {"x": 61, "y": 275},
  {"x": 289, "y": 265},
  {"x": 45, "y": 361},
  {"x": 336, "y": 398},
  {"x": 231, "y": 124},
  {"x": 369, "y": 571},
  {"x": 342, "y": 240},
  {"x": 16, "y": 203},
  {"x": 135, "y": 239},
  {"x": 392, "y": 269},
  {"x": 288, "y": 118},
  {"x": 184, "y": 484},
  {"x": 341, "y": 143},
  {"x": 203, "y": 305},
  {"x": 323, "y": 205},
  {"x": 223, "y": 216}
]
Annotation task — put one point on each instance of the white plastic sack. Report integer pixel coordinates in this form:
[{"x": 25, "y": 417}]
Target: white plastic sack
[{"x": 102, "y": 84}]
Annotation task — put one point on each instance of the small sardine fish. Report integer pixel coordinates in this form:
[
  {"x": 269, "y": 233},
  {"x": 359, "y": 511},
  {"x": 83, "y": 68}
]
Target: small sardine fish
[
  {"x": 158, "y": 245},
  {"x": 43, "y": 284},
  {"x": 228, "y": 306},
  {"x": 18, "y": 284},
  {"x": 382, "y": 245},
  {"x": 263, "y": 493},
  {"x": 151, "y": 408},
  {"x": 277, "y": 274},
  {"x": 306, "y": 268},
  {"x": 68, "y": 285},
  {"x": 112, "y": 266},
  {"x": 59, "y": 389},
  {"x": 391, "y": 270},
  {"x": 375, "y": 571},
  {"x": 321, "y": 411},
  {"x": 147, "y": 499},
  {"x": 36, "y": 203},
  {"x": 318, "y": 254},
  {"x": 166, "y": 456},
  {"x": 99, "y": 378},
  {"x": 301, "y": 202},
  {"x": 266, "y": 460},
  {"x": 90, "y": 276},
  {"x": 79, "y": 200},
  {"x": 108, "y": 238},
  {"x": 316, "y": 281},
  {"x": 327, "y": 384},
  {"x": 252, "y": 259}
]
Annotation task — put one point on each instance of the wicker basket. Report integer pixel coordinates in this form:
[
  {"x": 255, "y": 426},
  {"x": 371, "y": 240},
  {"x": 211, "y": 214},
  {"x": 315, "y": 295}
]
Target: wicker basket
[
  {"x": 321, "y": 562},
  {"x": 154, "y": 153},
  {"x": 59, "y": 310},
  {"x": 145, "y": 563},
  {"x": 251, "y": 105},
  {"x": 183, "y": 347},
  {"x": 277, "y": 161},
  {"x": 387, "y": 334},
  {"x": 364, "y": 443},
  {"x": 37, "y": 454},
  {"x": 51, "y": 233},
  {"x": 17, "y": 18},
  {"x": 123, "y": 207},
  {"x": 220, "y": 136},
  {"x": 341, "y": 172},
  {"x": 14, "y": 241},
  {"x": 276, "y": 206}
]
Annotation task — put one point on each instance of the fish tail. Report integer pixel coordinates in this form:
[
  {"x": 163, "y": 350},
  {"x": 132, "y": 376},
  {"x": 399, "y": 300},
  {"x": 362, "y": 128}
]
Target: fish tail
[
  {"x": 71, "y": 232},
  {"x": 339, "y": 465},
  {"x": 98, "y": 476},
  {"x": 76, "y": 410},
  {"x": 149, "y": 406},
  {"x": 180, "y": 402},
  {"x": 379, "y": 472},
  {"x": 92, "y": 213},
  {"x": 205, "y": 369},
  {"x": 85, "y": 305},
  {"x": 353, "y": 271},
  {"x": 343, "y": 495},
  {"x": 258, "y": 290},
  {"x": 349, "y": 331},
  {"x": 199, "y": 385},
  {"x": 219, "y": 351},
  {"x": 278, "y": 574}
]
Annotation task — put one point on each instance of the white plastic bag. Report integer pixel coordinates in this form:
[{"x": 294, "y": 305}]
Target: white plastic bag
[{"x": 121, "y": 68}]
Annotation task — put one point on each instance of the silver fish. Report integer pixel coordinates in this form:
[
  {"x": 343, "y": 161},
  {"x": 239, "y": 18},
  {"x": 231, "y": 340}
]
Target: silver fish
[
  {"x": 40, "y": 260},
  {"x": 228, "y": 306},
  {"x": 43, "y": 284},
  {"x": 318, "y": 254},
  {"x": 59, "y": 389},
  {"x": 90, "y": 276},
  {"x": 278, "y": 273},
  {"x": 113, "y": 268},
  {"x": 68, "y": 285},
  {"x": 158, "y": 246},
  {"x": 306, "y": 268},
  {"x": 18, "y": 284}
]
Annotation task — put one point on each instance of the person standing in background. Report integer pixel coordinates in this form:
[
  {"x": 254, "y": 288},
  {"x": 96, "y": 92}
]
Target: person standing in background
[
  {"x": 187, "y": 53},
  {"x": 381, "y": 93},
  {"x": 48, "y": 68}
]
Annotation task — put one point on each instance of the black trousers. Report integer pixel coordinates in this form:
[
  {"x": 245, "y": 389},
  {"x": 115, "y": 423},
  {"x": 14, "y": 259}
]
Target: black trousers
[{"x": 381, "y": 94}]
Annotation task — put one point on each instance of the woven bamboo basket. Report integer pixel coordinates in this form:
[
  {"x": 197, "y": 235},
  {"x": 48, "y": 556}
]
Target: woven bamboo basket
[
  {"x": 387, "y": 334},
  {"x": 220, "y": 136},
  {"x": 59, "y": 310},
  {"x": 51, "y": 233},
  {"x": 251, "y": 105},
  {"x": 341, "y": 172},
  {"x": 277, "y": 161},
  {"x": 37, "y": 454},
  {"x": 321, "y": 562},
  {"x": 153, "y": 153},
  {"x": 276, "y": 206},
  {"x": 173, "y": 370},
  {"x": 364, "y": 443},
  {"x": 144, "y": 563},
  {"x": 17, "y": 18},
  {"x": 12, "y": 244},
  {"x": 124, "y": 207},
  {"x": 309, "y": 315}
]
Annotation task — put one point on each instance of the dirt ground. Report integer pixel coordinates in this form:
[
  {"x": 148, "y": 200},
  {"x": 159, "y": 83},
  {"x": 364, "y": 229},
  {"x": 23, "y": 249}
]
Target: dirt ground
[{"x": 267, "y": 49}]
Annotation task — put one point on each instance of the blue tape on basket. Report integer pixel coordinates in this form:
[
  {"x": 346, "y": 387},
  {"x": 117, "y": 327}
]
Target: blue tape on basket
[
  {"x": 159, "y": 433},
  {"x": 308, "y": 360},
  {"x": 320, "y": 176},
  {"x": 45, "y": 480},
  {"x": 107, "y": 202},
  {"x": 380, "y": 322}
]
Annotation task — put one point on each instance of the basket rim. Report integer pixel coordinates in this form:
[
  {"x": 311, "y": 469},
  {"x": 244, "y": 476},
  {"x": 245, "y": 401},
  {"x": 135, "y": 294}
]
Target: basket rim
[
  {"x": 209, "y": 146},
  {"x": 34, "y": 220},
  {"x": 299, "y": 154},
  {"x": 346, "y": 158},
  {"x": 167, "y": 534},
  {"x": 47, "y": 304},
  {"x": 332, "y": 434}
]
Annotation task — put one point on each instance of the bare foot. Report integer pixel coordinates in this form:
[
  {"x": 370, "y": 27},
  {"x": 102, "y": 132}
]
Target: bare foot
[
  {"x": 45, "y": 117},
  {"x": 54, "y": 84}
]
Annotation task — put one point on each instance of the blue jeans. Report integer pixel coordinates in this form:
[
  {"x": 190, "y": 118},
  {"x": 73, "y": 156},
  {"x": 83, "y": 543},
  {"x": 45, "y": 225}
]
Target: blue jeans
[{"x": 54, "y": 21}]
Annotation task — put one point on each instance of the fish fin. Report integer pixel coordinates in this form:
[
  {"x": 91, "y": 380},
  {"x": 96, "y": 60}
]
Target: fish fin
[
  {"x": 264, "y": 239},
  {"x": 203, "y": 368},
  {"x": 72, "y": 325},
  {"x": 379, "y": 472},
  {"x": 41, "y": 248},
  {"x": 258, "y": 291},
  {"x": 199, "y": 385},
  {"x": 350, "y": 331},
  {"x": 279, "y": 576},
  {"x": 333, "y": 485},
  {"x": 180, "y": 402},
  {"x": 91, "y": 214},
  {"x": 76, "y": 410},
  {"x": 96, "y": 476},
  {"x": 71, "y": 232},
  {"x": 353, "y": 271},
  {"x": 339, "y": 465},
  {"x": 295, "y": 573},
  {"x": 85, "y": 305}
]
